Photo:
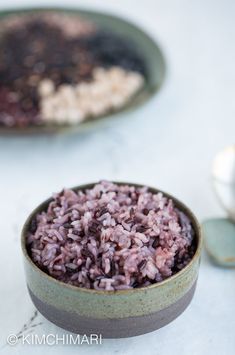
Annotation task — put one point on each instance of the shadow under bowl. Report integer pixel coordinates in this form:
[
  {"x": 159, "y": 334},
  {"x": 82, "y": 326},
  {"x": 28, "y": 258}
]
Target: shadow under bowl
[{"x": 113, "y": 314}]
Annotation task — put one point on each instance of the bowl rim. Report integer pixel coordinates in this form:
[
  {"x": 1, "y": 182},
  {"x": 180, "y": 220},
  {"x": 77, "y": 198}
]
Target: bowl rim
[
  {"x": 179, "y": 204},
  {"x": 136, "y": 103}
]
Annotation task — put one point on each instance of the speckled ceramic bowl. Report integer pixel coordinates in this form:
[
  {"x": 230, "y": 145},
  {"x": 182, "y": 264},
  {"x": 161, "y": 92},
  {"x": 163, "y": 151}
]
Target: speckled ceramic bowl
[{"x": 114, "y": 314}]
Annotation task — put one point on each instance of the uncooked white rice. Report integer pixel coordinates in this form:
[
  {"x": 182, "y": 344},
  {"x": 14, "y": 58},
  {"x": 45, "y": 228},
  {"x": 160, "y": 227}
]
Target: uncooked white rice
[{"x": 111, "y": 237}]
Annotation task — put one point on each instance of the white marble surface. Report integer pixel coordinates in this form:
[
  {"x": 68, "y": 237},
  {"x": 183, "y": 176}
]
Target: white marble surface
[{"x": 168, "y": 143}]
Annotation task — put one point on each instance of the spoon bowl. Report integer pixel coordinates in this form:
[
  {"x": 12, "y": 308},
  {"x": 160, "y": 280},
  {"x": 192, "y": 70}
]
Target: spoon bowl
[{"x": 223, "y": 177}]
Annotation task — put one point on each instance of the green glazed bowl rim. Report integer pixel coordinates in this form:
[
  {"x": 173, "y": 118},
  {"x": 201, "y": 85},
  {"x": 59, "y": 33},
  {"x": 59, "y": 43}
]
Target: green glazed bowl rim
[
  {"x": 150, "y": 88},
  {"x": 41, "y": 207}
]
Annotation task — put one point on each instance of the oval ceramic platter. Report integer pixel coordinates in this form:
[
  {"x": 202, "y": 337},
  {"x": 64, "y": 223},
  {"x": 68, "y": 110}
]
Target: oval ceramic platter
[{"x": 147, "y": 47}]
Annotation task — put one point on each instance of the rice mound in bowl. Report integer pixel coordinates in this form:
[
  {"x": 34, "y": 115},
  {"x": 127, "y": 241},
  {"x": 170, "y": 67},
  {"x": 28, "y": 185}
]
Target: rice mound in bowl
[{"x": 111, "y": 237}]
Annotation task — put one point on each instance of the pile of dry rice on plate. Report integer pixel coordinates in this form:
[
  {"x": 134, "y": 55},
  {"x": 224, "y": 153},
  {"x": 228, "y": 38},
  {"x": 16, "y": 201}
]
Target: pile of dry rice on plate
[
  {"x": 89, "y": 73},
  {"x": 111, "y": 237}
]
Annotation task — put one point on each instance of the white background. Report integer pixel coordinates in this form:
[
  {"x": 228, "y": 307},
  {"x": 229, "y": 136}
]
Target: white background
[{"x": 169, "y": 143}]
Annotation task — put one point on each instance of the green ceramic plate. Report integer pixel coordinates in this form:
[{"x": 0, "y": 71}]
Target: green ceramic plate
[{"x": 151, "y": 53}]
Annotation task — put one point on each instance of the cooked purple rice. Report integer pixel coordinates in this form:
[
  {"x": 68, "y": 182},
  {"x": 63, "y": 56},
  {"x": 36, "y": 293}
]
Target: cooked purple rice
[{"x": 92, "y": 238}]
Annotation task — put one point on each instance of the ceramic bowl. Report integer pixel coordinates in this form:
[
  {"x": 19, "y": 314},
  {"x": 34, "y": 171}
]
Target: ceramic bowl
[
  {"x": 114, "y": 314},
  {"x": 148, "y": 48}
]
